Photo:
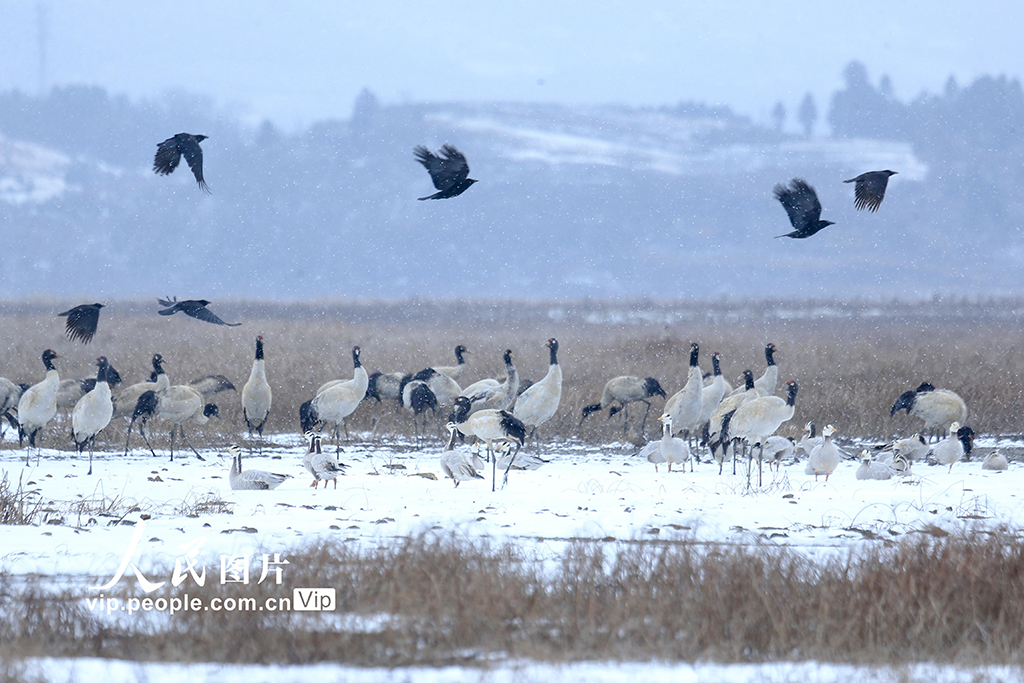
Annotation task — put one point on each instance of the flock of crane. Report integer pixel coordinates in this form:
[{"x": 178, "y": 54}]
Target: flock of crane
[{"x": 707, "y": 412}]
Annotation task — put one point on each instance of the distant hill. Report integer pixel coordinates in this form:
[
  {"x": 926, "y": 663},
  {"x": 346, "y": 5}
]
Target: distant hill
[{"x": 600, "y": 201}]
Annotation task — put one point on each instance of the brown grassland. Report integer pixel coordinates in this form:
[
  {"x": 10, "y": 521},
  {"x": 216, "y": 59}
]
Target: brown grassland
[
  {"x": 454, "y": 600},
  {"x": 851, "y": 360},
  {"x": 444, "y": 600}
]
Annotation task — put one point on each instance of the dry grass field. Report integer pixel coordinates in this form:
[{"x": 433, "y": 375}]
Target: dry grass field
[
  {"x": 444, "y": 600},
  {"x": 851, "y": 359}
]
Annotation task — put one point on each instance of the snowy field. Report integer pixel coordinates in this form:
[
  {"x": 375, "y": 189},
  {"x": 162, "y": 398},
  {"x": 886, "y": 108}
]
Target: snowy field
[{"x": 606, "y": 494}]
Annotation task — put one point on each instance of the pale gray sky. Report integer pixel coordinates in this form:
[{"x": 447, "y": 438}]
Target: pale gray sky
[{"x": 301, "y": 61}]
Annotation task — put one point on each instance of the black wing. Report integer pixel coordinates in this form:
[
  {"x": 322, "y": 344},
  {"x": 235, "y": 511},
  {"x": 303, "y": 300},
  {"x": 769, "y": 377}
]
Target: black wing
[
  {"x": 171, "y": 304},
  {"x": 194, "y": 156},
  {"x": 800, "y": 201},
  {"x": 208, "y": 316},
  {"x": 167, "y": 157},
  {"x": 446, "y": 170},
  {"x": 82, "y": 322},
  {"x": 870, "y": 190}
]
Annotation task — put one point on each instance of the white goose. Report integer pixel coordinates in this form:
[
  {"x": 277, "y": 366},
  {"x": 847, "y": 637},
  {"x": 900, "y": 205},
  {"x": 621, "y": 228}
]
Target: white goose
[
  {"x": 256, "y": 395},
  {"x": 38, "y": 403},
  {"x": 251, "y": 480},
  {"x": 950, "y": 450},
  {"x": 92, "y": 413},
  {"x": 671, "y": 449},
  {"x": 995, "y": 461},
  {"x": 871, "y": 469},
  {"x": 322, "y": 466},
  {"x": 461, "y": 464},
  {"x": 825, "y": 456},
  {"x": 538, "y": 404}
]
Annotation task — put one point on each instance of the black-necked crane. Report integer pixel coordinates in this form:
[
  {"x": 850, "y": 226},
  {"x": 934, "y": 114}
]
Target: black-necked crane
[
  {"x": 92, "y": 413},
  {"x": 38, "y": 403},
  {"x": 456, "y": 371},
  {"x": 176, "y": 404},
  {"x": 712, "y": 395},
  {"x": 251, "y": 480},
  {"x": 256, "y": 395},
  {"x": 337, "y": 402},
  {"x": 957, "y": 445},
  {"x": 460, "y": 464},
  {"x": 444, "y": 388},
  {"x": 757, "y": 419},
  {"x": 539, "y": 403},
  {"x": 417, "y": 399},
  {"x": 624, "y": 390},
  {"x": 490, "y": 426},
  {"x": 71, "y": 391},
  {"x": 211, "y": 385},
  {"x": 937, "y": 407},
  {"x": 716, "y": 436},
  {"x": 825, "y": 456},
  {"x": 322, "y": 466},
  {"x": 126, "y": 400},
  {"x": 684, "y": 406},
  {"x": 766, "y": 383},
  {"x": 489, "y": 394},
  {"x": 10, "y": 394},
  {"x": 382, "y": 386}
]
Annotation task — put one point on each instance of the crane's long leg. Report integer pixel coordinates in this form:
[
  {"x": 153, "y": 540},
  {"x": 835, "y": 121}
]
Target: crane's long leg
[
  {"x": 643, "y": 424},
  {"x": 92, "y": 447},
  {"x": 174, "y": 428},
  {"x": 511, "y": 460},
  {"x": 185, "y": 439},
  {"x": 146, "y": 438},
  {"x": 494, "y": 466}
]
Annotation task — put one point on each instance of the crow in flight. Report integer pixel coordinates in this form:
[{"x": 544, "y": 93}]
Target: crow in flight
[
  {"x": 870, "y": 189},
  {"x": 197, "y": 308},
  {"x": 449, "y": 171},
  {"x": 801, "y": 203},
  {"x": 168, "y": 154},
  {"x": 82, "y": 322}
]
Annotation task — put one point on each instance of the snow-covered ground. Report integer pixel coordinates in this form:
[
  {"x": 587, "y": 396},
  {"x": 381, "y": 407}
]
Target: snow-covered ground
[{"x": 391, "y": 491}]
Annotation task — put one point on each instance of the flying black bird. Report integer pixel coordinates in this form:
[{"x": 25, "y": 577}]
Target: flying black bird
[
  {"x": 197, "y": 308},
  {"x": 801, "y": 203},
  {"x": 82, "y": 321},
  {"x": 449, "y": 172},
  {"x": 168, "y": 154},
  {"x": 870, "y": 189}
]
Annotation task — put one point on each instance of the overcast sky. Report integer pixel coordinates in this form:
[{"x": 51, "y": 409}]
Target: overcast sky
[{"x": 308, "y": 62}]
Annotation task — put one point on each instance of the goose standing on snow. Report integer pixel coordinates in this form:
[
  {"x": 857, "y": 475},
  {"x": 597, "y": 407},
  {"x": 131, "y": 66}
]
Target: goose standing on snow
[
  {"x": 251, "y": 480},
  {"x": 488, "y": 394},
  {"x": 995, "y": 461},
  {"x": 624, "y": 390},
  {"x": 757, "y": 419},
  {"x": 809, "y": 439},
  {"x": 684, "y": 407},
  {"x": 937, "y": 407},
  {"x": 490, "y": 426},
  {"x": 824, "y": 457},
  {"x": 538, "y": 404},
  {"x": 456, "y": 371},
  {"x": 38, "y": 403},
  {"x": 93, "y": 411},
  {"x": 322, "y": 466},
  {"x": 462, "y": 464},
  {"x": 176, "y": 404},
  {"x": 957, "y": 445},
  {"x": 256, "y": 395},
  {"x": 337, "y": 402},
  {"x": 671, "y": 449}
]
